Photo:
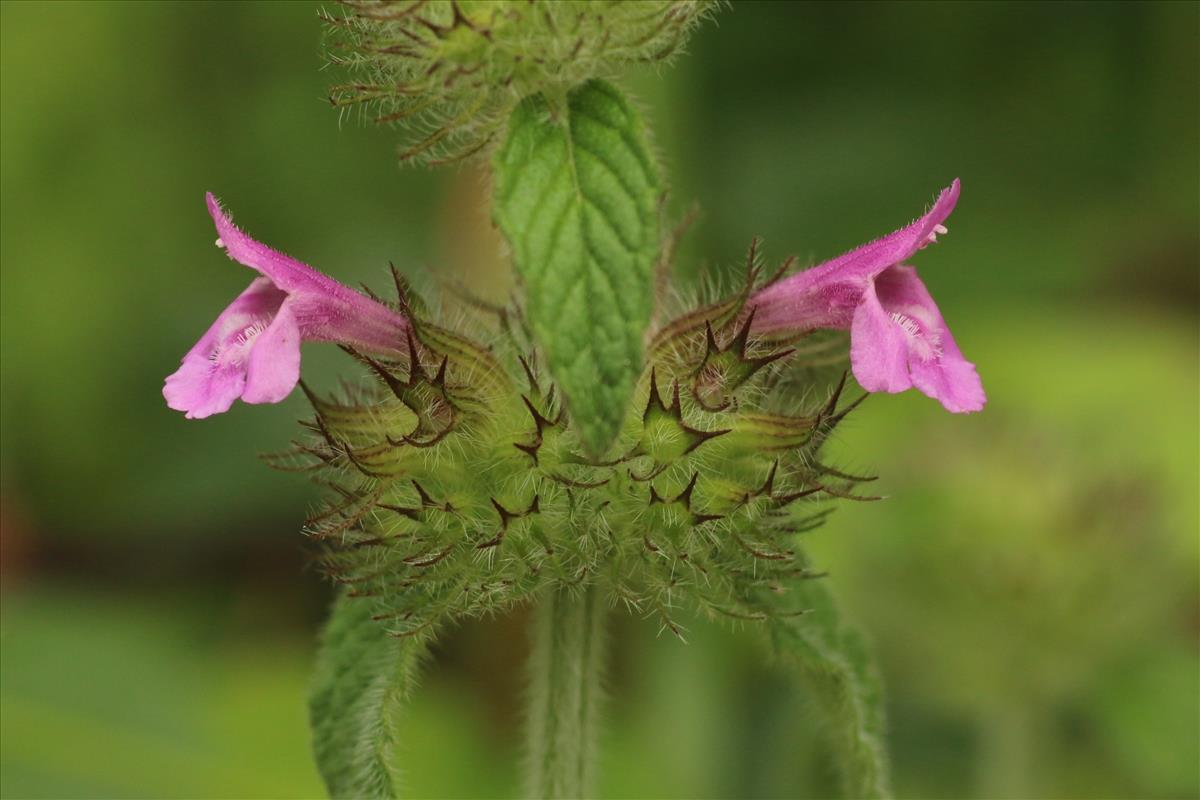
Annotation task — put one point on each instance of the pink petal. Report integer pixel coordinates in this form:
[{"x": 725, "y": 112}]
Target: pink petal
[
  {"x": 878, "y": 348},
  {"x": 201, "y": 387},
  {"x": 325, "y": 309},
  {"x": 252, "y": 351},
  {"x": 285, "y": 272},
  {"x": 208, "y": 383},
  {"x": 873, "y": 258},
  {"x": 260, "y": 299},
  {"x": 936, "y": 364},
  {"x": 815, "y": 298},
  {"x": 805, "y": 305},
  {"x": 954, "y": 382},
  {"x": 273, "y": 366}
]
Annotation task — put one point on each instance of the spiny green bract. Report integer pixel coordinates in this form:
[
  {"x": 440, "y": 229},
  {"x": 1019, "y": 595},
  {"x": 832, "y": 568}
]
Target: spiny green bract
[
  {"x": 449, "y": 71},
  {"x": 459, "y": 485}
]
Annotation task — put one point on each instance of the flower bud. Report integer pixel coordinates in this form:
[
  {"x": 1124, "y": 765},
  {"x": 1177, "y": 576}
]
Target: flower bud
[{"x": 449, "y": 71}]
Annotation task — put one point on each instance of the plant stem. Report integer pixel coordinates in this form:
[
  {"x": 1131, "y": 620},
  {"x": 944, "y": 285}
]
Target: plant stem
[{"x": 566, "y": 664}]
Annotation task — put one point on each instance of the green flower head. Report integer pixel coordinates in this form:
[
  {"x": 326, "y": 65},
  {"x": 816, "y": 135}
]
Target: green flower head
[{"x": 448, "y": 72}]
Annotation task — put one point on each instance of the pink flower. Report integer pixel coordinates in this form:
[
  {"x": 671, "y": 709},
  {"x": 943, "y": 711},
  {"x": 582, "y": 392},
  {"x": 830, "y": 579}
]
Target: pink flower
[
  {"x": 252, "y": 351},
  {"x": 898, "y": 338}
]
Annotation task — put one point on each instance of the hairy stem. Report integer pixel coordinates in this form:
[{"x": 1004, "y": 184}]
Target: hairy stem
[{"x": 566, "y": 664}]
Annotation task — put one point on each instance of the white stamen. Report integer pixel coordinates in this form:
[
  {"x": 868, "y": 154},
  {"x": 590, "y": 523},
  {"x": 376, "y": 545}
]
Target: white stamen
[
  {"x": 938, "y": 230},
  {"x": 235, "y": 349},
  {"x": 250, "y": 331},
  {"x": 924, "y": 341},
  {"x": 908, "y": 324},
  {"x": 219, "y": 242}
]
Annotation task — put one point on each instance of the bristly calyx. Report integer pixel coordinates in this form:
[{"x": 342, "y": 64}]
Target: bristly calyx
[{"x": 459, "y": 492}]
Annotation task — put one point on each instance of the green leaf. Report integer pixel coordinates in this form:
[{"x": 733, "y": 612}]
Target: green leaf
[
  {"x": 363, "y": 676},
  {"x": 835, "y": 661},
  {"x": 577, "y": 198}
]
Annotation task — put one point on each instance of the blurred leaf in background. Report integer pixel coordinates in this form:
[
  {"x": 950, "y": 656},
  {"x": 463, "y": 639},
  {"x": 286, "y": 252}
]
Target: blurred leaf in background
[{"x": 1030, "y": 584}]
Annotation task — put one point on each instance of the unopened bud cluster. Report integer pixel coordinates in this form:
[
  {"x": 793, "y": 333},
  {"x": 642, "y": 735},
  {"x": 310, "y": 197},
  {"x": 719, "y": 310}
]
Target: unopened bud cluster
[
  {"x": 459, "y": 487},
  {"x": 449, "y": 71}
]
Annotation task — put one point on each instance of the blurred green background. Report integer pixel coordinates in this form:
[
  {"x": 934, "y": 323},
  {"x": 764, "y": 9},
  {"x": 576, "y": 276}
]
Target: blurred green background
[{"x": 1031, "y": 584}]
